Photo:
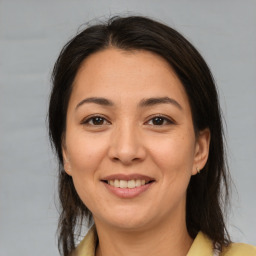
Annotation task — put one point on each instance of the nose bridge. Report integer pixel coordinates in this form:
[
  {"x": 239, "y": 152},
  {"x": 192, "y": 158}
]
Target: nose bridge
[{"x": 126, "y": 143}]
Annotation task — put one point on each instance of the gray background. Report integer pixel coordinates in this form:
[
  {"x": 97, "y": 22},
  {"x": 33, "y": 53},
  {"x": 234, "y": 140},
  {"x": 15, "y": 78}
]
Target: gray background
[{"x": 31, "y": 36}]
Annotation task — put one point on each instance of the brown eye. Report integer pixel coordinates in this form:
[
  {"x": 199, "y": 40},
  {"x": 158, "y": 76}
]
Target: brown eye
[
  {"x": 159, "y": 120},
  {"x": 95, "y": 120}
]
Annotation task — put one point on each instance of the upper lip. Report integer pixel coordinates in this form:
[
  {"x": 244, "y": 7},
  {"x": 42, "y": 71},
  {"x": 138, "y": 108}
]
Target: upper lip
[{"x": 127, "y": 177}]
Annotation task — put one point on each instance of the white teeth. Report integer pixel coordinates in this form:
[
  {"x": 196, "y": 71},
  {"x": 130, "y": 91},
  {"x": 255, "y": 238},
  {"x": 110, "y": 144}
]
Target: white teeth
[
  {"x": 126, "y": 184},
  {"x": 123, "y": 184},
  {"x": 138, "y": 183},
  {"x": 116, "y": 183},
  {"x": 131, "y": 184}
]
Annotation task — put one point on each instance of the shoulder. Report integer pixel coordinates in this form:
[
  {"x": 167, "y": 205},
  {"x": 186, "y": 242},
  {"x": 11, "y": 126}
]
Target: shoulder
[
  {"x": 239, "y": 249},
  {"x": 203, "y": 246}
]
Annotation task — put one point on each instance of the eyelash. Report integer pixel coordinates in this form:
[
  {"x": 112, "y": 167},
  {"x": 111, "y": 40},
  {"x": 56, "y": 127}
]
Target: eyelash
[
  {"x": 163, "y": 119},
  {"x": 93, "y": 118},
  {"x": 167, "y": 121}
]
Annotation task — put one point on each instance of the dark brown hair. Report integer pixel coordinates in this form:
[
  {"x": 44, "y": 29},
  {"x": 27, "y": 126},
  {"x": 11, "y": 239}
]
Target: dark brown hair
[{"x": 207, "y": 192}]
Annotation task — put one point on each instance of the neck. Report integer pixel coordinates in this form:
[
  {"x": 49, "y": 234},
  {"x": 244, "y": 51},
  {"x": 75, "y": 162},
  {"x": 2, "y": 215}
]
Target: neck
[{"x": 165, "y": 239}]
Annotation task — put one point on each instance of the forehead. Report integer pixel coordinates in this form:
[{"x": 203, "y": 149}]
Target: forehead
[{"x": 127, "y": 75}]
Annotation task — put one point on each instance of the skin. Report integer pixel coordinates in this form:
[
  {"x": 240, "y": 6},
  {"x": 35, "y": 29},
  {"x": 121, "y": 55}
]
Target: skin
[{"x": 127, "y": 140}]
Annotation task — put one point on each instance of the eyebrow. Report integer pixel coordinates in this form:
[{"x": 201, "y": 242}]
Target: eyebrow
[
  {"x": 143, "y": 103},
  {"x": 161, "y": 100},
  {"x": 96, "y": 100}
]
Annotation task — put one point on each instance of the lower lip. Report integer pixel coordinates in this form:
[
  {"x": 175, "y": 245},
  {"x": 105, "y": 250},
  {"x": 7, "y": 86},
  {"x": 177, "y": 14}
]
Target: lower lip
[{"x": 128, "y": 192}]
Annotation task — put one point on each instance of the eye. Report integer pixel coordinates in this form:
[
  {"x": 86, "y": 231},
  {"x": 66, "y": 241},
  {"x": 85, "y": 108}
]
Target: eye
[
  {"x": 95, "y": 121},
  {"x": 159, "y": 120}
]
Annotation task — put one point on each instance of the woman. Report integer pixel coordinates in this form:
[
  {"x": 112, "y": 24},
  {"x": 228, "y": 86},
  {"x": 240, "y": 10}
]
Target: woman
[{"x": 135, "y": 121}]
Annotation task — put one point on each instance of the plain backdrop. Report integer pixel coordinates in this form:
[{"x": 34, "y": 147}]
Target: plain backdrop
[{"x": 32, "y": 34}]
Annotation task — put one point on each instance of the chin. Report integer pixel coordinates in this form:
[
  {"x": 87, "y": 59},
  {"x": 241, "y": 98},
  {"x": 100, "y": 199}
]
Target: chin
[{"x": 126, "y": 221}]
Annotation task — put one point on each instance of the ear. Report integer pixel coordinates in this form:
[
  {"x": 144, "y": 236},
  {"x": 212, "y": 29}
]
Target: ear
[
  {"x": 66, "y": 162},
  {"x": 201, "y": 150}
]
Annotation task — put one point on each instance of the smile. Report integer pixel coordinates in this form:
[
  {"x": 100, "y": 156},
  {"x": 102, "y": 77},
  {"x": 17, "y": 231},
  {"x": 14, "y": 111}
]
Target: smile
[
  {"x": 127, "y": 186},
  {"x": 127, "y": 183}
]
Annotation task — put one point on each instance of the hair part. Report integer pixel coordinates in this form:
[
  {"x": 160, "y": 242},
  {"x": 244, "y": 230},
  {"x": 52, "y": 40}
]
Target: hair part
[{"x": 208, "y": 192}]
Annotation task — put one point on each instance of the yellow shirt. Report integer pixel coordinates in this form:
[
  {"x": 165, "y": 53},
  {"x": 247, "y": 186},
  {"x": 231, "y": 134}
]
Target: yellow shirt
[{"x": 202, "y": 246}]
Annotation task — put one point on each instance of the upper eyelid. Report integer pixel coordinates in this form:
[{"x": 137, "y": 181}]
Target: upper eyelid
[
  {"x": 169, "y": 119},
  {"x": 90, "y": 117}
]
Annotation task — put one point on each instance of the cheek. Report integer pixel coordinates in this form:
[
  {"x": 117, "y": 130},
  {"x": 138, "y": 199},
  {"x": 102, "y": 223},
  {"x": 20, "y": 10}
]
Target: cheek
[
  {"x": 173, "y": 156},
  {"x": 174, "y": 152},
  {"x": 85, "y": 152}
]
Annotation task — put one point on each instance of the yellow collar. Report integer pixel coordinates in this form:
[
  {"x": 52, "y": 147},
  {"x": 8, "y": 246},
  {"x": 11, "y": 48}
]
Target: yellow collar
[
  {"x": 88, "y": 245},
  {"x": 202, "y": 246}
]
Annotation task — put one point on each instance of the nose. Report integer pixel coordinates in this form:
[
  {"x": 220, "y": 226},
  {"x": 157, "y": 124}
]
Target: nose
[{"x": 127, "y": 145}]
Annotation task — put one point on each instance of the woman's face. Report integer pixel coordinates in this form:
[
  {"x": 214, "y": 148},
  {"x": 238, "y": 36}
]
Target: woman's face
[{"x": 130, "y": 145}]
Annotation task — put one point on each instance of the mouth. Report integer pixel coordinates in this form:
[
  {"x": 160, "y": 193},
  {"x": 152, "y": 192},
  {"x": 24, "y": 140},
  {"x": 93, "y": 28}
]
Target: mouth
[
  {"x": 128, "y": 185},
  {"x": 132, "y": 183}
]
